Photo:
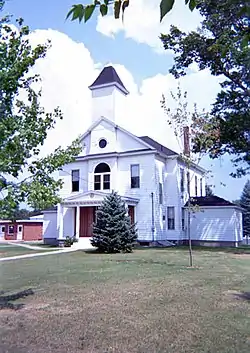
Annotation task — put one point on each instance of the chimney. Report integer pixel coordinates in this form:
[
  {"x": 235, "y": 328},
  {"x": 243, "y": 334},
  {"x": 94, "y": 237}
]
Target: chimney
[{"x": 186, "y": 141}]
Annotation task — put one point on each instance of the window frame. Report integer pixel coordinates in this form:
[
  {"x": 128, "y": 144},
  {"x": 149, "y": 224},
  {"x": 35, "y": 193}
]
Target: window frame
[
  {"x": 102, "y": 183},
  {"x": 183, "y": 223},
  {"x": 3, "y": 228},
  {"x": 196, "y": 185},
  {"x": 97, "y": 181},
  {"x": 75, "y": 184},
  {"x": 13, "y": 227},
  {"x": 101, "y": 141},
  {"x": 188, "y": 182},
  {"x": 171, "y": 220},
  {"x": 160, "y": 193},
  {"x": 182, "y": 179},
  {"x": 134, "y": 180},
  {"x": 106, "y": 181}
]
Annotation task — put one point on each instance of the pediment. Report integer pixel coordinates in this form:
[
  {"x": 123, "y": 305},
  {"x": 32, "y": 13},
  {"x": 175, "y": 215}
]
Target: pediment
[
  {"x": 93, "y": 197},
  {"x": 86, "y": 196},
  {"x": 117, "y": 138}
]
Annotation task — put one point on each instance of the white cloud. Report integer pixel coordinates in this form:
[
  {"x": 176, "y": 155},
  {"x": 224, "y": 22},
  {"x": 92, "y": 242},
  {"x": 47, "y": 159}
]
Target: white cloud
[
  {"x": 142, "y": 22},
  {"x": 68, "y": 70}
]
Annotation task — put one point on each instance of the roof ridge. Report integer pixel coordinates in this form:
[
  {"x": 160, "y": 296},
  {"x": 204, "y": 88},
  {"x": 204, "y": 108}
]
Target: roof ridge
[
  {"x": 158, "y": 146},
  {"x": 210, "y": 200}
]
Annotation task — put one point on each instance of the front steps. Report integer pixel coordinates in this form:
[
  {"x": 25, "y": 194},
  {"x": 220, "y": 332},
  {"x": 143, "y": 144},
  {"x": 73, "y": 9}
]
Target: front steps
[{"x": 83, "y": 244}]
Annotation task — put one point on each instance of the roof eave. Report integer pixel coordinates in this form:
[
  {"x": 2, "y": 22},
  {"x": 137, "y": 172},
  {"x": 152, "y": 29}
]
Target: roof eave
[
  {"x": 104, "y": 85},
  {"x": 216, "y": 206},
  {"x": 194, "y": 165}
]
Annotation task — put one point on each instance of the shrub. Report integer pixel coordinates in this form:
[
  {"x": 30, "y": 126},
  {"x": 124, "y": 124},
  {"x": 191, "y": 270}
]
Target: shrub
[{"x": 113, "y": 231}]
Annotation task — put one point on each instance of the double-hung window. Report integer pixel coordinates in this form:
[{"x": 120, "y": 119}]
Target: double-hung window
[
  {"x": 171, "y": 218},
  {"x": 10, "y": 230},
  {"x": 182, "y": 175},
  {"x": 75, "y": 180},
  {"x": 135, "y": 176},
  {"x": 183, "y": 218},
  {"x": 160, "y": 194},
  {"x": 196, "y": 185}
]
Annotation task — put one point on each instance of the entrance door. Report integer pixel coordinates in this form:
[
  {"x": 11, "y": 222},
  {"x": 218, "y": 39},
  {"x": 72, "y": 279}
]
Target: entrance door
[
  {"x": 2, "y": 231},
  {"x": 87, "y": 217},
  {"x": 19, "y": 232},
  {"x": 131, "y": 213}
]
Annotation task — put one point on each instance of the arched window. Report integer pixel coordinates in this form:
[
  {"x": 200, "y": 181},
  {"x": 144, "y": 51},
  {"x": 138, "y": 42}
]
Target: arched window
[
  {"x": 102, "y": 168},
  {"x": 102, "y": 177}
]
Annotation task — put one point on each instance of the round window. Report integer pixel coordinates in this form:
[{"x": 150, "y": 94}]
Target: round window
[{"x": 102, "y": 143}]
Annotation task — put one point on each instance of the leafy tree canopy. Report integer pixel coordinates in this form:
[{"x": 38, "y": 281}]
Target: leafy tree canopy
[
  {"x": 84, "y": 12},
  {"x": 209, "y": 190},
  {"x": 24, "y": 125},
  {"x": 221, "y": 46}
]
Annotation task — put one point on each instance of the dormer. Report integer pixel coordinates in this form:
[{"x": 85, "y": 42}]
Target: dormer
[{"x": 108, "y": 93}]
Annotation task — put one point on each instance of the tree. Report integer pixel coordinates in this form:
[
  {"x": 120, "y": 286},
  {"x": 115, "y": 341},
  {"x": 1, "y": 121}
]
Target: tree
[
  {"x": 245, "y": 204},
  {"x": 20, "y": 213},
  {"x": 23, "y": 213},
  {"x": 221, "y": 45},
  {"x": 84, "y": 12},
  {"x": 209, "y": 190},
  {"x": 184, "y": 124},
  {"x": 24, "y": 125},
  {"x": 113, "y": 231}
]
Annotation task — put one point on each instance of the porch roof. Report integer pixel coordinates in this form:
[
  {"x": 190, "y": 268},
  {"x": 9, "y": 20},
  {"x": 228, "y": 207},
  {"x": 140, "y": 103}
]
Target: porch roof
[{"x": 93, "y": 198}]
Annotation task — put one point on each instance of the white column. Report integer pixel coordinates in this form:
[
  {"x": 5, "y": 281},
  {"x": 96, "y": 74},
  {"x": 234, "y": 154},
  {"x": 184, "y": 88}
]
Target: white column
[
  {"x": 126, "y": 207},
  {"x": 77, "y": 222},
  {"x": 58, "y": 218},
  {"x": 60, "y": 215}
]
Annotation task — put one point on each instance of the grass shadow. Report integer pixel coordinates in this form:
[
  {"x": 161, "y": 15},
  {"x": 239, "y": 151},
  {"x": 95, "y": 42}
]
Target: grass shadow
[
  {"x": 90, "y": 251},
  {"x": 242, "y": 249},
  {"x": 6, "y": 300},
  {"x": 243, "y": 295}
]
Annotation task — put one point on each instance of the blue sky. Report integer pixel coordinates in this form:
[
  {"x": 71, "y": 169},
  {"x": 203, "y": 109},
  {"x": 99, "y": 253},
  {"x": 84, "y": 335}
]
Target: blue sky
[
  {"x": 135, "y": 49},
  {"x": 138, "y": 58}
]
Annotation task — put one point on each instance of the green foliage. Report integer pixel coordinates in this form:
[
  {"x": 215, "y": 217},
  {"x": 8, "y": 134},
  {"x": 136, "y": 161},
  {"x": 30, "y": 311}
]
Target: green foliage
[
  {"x": 68, "y": 242},
  {"x": 113, "y": 231},
  {"x": 221, "y": 46},
  {"x": 21, "y": 213},
  {"x": 24, "y": 125},
  {"x": 209, "y": 190},
  {"x": 245, "y": 204},
  {"x": 165, "y": 7},
  {"x": 78, "y": 12}
]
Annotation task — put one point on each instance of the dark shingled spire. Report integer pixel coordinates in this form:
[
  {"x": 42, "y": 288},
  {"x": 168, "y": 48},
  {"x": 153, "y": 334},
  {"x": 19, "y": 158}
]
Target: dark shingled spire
[{"x": 108, "y": 77}]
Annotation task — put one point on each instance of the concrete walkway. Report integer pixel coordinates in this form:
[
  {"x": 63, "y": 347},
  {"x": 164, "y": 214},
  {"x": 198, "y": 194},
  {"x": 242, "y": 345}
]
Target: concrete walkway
[
  {"x": 26, "y": 256},
  {"x": 31, "y": 247}
]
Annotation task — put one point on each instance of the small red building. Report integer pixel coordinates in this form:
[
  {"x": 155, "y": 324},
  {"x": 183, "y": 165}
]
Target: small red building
[{"x": 27, "y": 229}]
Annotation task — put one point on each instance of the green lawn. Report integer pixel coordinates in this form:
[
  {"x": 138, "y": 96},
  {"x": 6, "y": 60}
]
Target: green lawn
[
  {"x": 146, "y": 302},
  {"x": 15, "y": 250}
]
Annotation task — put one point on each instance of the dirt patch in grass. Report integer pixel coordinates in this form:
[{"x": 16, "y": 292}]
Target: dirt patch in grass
[{"x": 241, "y": 256}]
